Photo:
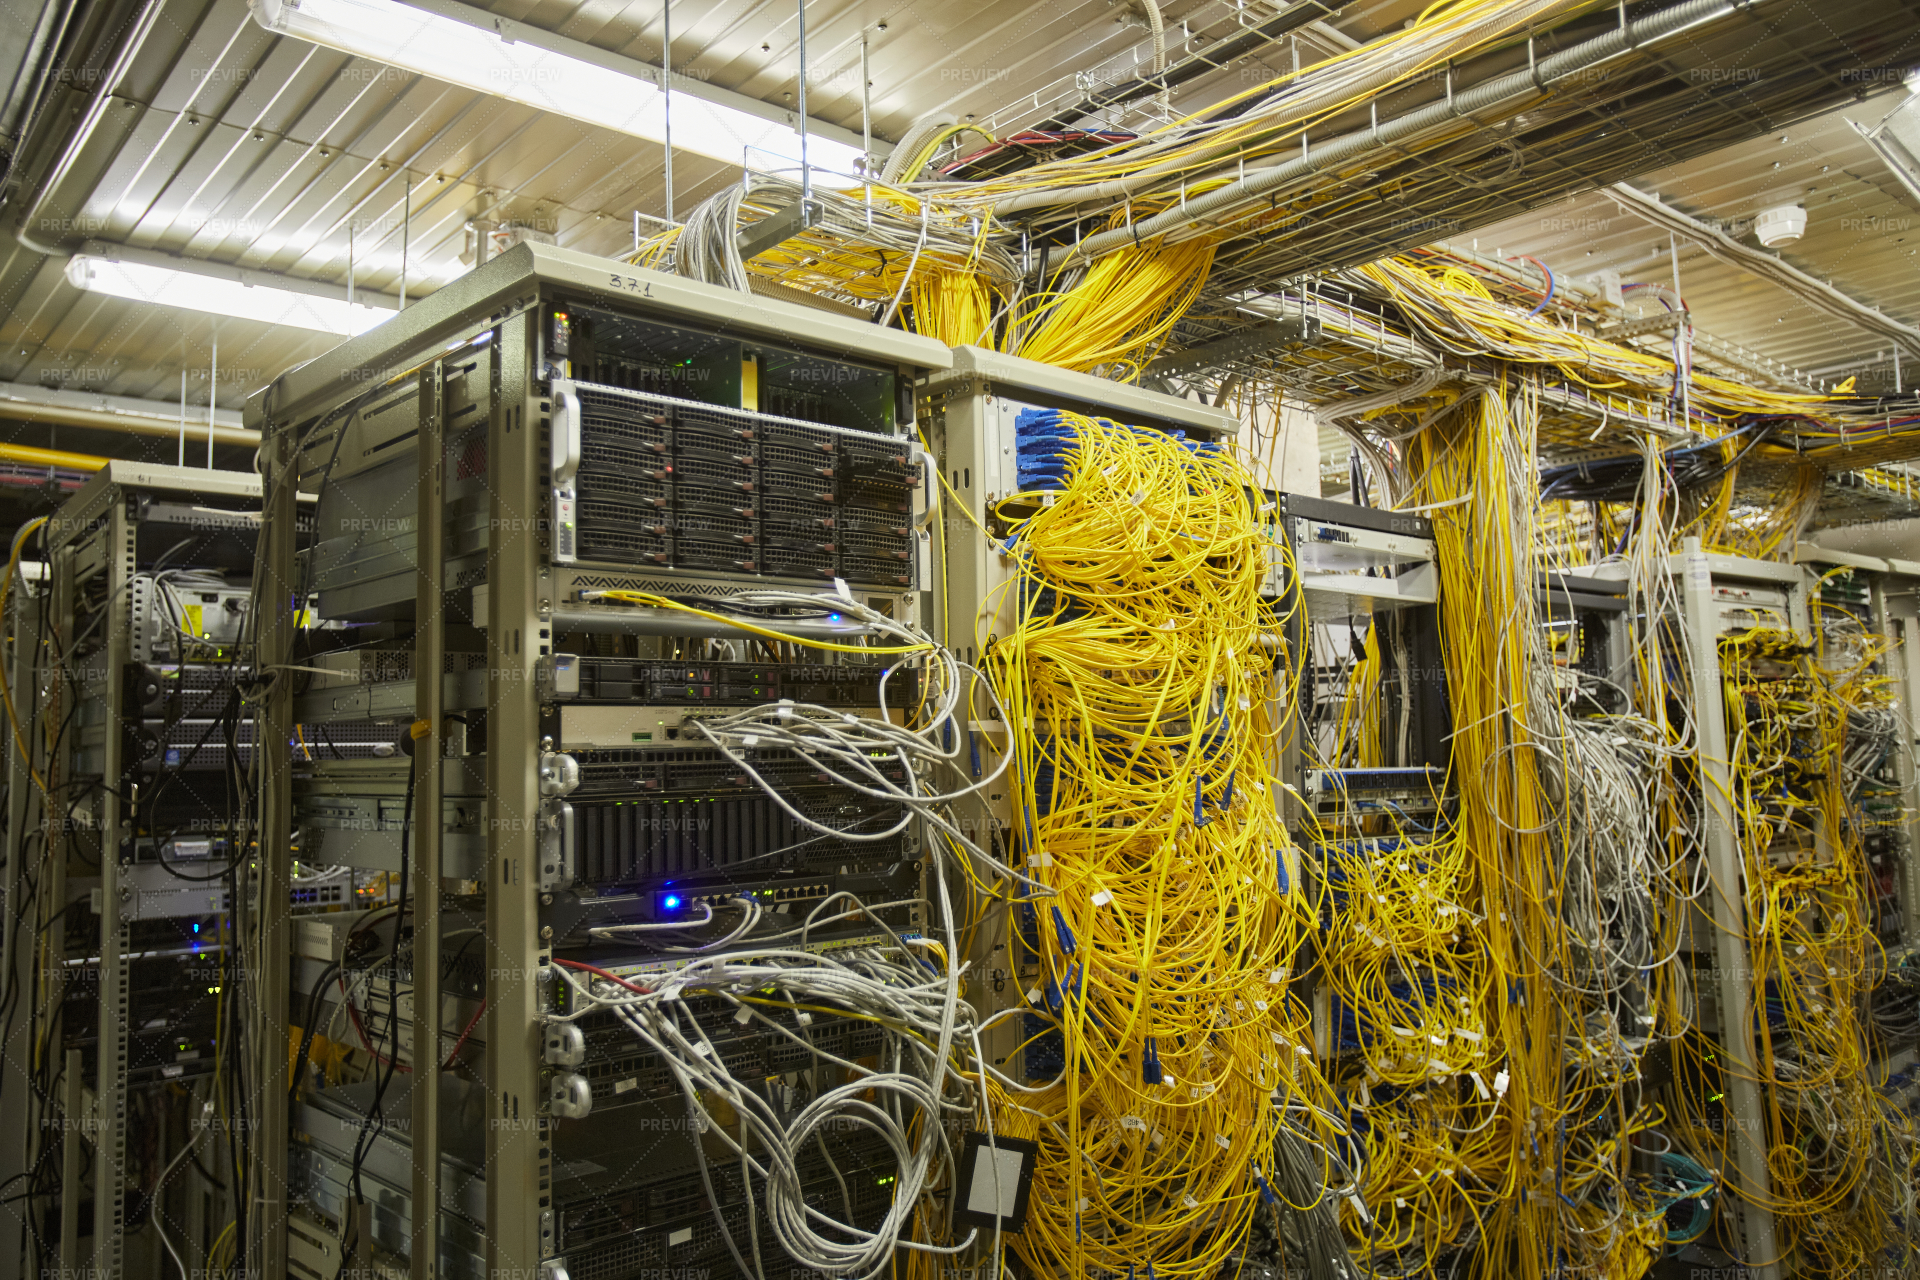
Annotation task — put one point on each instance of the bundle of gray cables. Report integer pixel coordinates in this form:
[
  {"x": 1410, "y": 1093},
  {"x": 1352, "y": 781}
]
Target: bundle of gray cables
[
  {"x": 906, "y": 984},
  {"x": 906, "y": 1099},
  {"x": 849, "y": 229}
]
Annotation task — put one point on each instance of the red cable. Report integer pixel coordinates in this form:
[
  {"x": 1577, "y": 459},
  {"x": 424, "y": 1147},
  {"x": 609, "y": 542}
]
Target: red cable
[
  {"x": 353, "y": 1012},
  {"x": 459, "y": 1044},
  {"x": 602, "y": 973}
]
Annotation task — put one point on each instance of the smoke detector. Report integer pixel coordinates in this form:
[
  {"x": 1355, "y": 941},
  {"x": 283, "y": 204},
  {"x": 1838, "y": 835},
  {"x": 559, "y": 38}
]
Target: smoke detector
[{"x": 1780, "y": 225}]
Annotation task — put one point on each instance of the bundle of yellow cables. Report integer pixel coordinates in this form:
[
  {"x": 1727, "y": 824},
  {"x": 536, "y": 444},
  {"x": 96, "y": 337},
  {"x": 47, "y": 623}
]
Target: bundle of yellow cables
[
  {"x": 1829, "y": 1134},
  {"x": 1537, "y": 1153},
  {"x": 1165, "y": 916}
]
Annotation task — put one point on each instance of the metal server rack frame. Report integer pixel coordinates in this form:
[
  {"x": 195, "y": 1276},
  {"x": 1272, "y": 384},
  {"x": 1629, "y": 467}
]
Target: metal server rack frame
[
  {"x": 1895, "y": 592},
  {"x": 1701, "y": 576},
  {"x": 1898, "y": 610},
  {"x": 26, "y": 607},
  {"x": 103, "y": 509},
  {"x": 1336, "y": 564},
  {"x": 968, "y": 415},
  {"x": 527, "y": 596}
]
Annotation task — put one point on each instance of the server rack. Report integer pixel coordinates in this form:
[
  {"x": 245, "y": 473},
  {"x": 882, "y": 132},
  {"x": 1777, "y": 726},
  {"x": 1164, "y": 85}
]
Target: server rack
[
  {"x": 1880, "y": 595},
  {"x": 126, "y": 677},
  {"x": 23, "y": 620},
  {"x": 1895, "y": 610},
  {"x": 499, "y": 470},
  {"x": 1718, "y": 594},
  {"x": 972, "y": 416},
  {"x": 1350, "y": 569},
  {"x": 1342, "y": 571}
]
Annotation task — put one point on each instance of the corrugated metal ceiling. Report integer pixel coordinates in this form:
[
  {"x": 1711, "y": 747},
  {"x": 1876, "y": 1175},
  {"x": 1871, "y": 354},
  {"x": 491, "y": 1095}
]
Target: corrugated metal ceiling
[
  {"x": 1861, "y": 236},
  {"x": 228, "y": 144}
]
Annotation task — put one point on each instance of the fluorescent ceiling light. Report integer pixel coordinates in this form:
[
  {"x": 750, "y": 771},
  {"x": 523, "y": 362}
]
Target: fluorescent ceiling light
[
  {"x": 168, "y": 287},
  {"x": 585, "y": 87}
]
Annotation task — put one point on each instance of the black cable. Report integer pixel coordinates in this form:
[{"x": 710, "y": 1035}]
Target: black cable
[
  {"x": 310, "y": 1024},
  {"x": 1618, "y": 479},
  {"x": 207, "y": 1173},
  {"x": 374, "y": 1122},
  {"x": 228, "y": 719},
  {"x": 447, "y": 967},
  {"x": 234, "y": 1032}
]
